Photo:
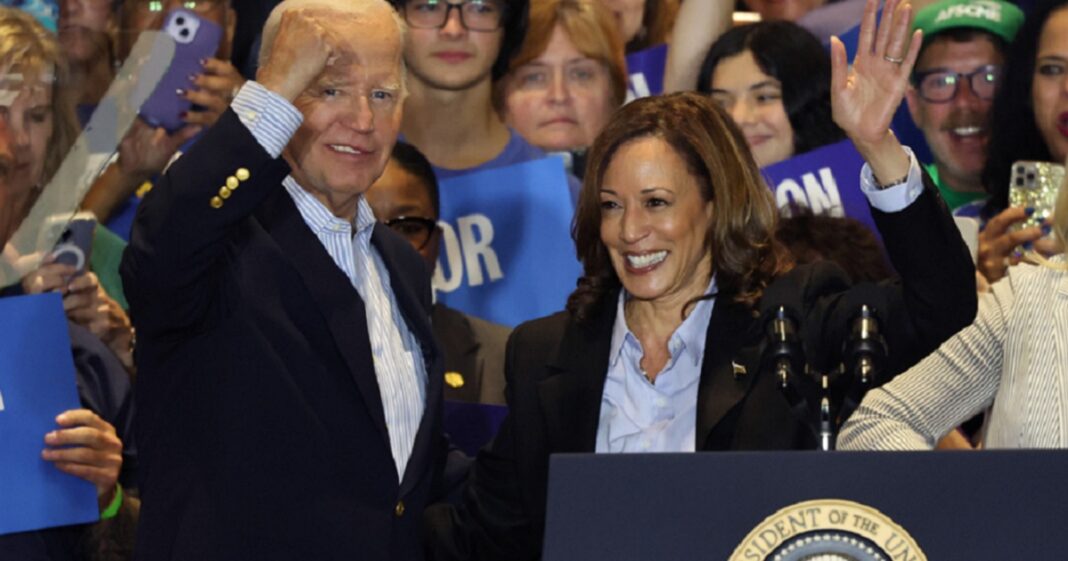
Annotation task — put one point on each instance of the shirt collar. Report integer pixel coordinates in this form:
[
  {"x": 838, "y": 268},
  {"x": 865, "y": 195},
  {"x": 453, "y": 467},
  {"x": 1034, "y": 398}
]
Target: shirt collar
[
  {"x": 689, "y": 337},
  {"x": 320, "y": 219}
]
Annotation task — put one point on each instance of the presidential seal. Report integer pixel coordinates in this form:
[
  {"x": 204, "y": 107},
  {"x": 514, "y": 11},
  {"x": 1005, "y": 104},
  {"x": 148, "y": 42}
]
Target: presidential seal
[{"x": 828, "y": 530}]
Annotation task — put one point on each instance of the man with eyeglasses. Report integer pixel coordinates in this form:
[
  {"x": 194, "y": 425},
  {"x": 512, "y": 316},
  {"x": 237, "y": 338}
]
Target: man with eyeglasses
[
  {"x": 406, "y": 199},
  {"x": 454, "y": 50},
  {"x": 953, "y": 85}
]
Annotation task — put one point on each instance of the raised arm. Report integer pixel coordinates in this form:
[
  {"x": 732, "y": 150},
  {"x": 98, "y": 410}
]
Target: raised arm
[
  {"x": 936, "y": 296},
  {"x": 698, "y": 24},
  {"x": 185, "y": 223}
]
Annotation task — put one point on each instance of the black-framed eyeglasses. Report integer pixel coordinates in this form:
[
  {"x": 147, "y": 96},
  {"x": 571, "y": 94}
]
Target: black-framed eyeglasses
[
  {"x": 416, "y": 229},
  {"x": 940, "y": 86},
  {"x": 475, "y": 15}
]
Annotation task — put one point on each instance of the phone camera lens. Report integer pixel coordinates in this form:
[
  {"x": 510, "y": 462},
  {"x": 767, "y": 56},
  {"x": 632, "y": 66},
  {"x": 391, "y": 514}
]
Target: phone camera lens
[
  {"x": 179, "y": 20},
  {"x": 184, "y": 33},
  {"x": 1019, "y": 182}
]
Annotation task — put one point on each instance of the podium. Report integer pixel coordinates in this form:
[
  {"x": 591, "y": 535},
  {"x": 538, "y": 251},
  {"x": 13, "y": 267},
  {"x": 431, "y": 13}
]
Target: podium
[{"x": 784, "y": 506}]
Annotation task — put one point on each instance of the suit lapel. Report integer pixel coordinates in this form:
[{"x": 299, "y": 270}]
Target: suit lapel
[
  {"x": 721, "y": 388},
  {"x": 333, "y": 293},
  {"x": 417, "y": 318},
  {"x": 576, "y": 384}
]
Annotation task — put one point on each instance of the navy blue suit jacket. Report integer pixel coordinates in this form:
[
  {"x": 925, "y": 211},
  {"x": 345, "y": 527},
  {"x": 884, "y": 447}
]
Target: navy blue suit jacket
[{"x": 260, "y": 427}]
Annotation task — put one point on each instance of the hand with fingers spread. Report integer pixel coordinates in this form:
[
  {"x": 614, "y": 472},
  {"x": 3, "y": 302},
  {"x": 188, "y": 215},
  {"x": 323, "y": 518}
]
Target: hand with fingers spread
[
  {"x": 998, "y": 242},
  {"x": 302, "y": 49},
  {"x": 865, "y": 97},
  {"x": 214, "y": 90},
  {"x": 86, "y": 446}
]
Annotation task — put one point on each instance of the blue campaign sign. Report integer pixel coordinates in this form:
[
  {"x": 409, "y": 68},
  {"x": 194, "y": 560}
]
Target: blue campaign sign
[
  {"x": 36, "y": 384},
  {"x": 46, "y": 11},
  {"x": 507, "y": 254},
  {"x": 826, "y": 180},
  {"x": 645, "y": 72}
]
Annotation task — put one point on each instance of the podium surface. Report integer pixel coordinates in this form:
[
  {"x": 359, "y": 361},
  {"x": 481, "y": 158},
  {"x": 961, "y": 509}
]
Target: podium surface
[{"x": 752, "y": 506}]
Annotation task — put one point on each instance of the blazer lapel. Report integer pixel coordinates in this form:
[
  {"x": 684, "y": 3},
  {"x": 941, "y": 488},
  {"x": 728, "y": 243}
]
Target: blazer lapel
[
  {"x": 576, "y": 384},
  {"x": 333, "y": 293},
  {"x": 417, "y": 318},
  {"x": 726, "y": 372}
]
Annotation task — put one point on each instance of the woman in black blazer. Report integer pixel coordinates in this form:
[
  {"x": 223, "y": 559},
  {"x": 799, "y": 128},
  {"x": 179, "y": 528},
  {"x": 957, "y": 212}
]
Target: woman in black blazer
[{"x": 659, "y": 349}]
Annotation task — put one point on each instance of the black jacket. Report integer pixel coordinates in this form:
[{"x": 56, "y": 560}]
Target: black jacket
[
  {"x": 556, "y": 370},
  {"x": 260, "y": 425}
]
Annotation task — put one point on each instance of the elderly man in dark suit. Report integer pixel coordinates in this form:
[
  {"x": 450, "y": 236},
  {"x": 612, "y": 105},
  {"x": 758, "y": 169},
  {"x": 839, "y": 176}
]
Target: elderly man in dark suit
[{"x": 289, "y": 386}]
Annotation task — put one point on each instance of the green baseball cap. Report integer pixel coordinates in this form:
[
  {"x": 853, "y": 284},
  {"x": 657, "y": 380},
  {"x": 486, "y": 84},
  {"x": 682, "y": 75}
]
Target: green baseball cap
[{"x": 994, "y": 16}]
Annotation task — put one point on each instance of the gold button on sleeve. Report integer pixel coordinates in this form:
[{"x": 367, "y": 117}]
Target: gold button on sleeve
[
  {"x": 224, "y": 192},
  {"x": 232, "y": 182},
  {"x": 242, "y": 174},
  {"x": 216, "y": 202}
]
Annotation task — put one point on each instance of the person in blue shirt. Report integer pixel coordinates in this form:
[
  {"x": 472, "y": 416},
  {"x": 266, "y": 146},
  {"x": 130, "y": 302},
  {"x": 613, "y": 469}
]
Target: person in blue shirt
[{"x": 453, "y": 53}]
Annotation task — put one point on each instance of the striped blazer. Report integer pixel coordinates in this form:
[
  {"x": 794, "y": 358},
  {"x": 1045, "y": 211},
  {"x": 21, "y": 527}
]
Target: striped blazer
[{"x": 1014, "y": 357}]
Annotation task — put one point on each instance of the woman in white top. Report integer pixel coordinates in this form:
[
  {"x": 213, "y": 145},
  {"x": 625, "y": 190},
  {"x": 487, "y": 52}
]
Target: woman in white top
[{"x": 1015, "y": 357}]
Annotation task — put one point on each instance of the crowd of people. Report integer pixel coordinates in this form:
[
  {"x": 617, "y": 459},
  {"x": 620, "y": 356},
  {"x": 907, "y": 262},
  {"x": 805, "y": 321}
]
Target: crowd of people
[{"x": 263, "y": 362}]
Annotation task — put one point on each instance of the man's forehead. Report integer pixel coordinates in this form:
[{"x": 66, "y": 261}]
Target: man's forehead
[{"x": 946, "y": 48}]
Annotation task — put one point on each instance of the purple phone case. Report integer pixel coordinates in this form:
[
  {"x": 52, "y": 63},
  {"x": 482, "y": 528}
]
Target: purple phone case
[{"x": 164, "y": 107}]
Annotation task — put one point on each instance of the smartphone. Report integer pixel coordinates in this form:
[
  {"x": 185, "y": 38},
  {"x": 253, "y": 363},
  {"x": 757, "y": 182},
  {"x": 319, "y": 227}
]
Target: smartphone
[
  {"x": 195, "y": 39},
  {"x": 1035, "y": 185},
  {"x": 75, "y": 245}
]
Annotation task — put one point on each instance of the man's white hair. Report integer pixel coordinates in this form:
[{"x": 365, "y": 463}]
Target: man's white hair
[{"x": 355, "y": 8}]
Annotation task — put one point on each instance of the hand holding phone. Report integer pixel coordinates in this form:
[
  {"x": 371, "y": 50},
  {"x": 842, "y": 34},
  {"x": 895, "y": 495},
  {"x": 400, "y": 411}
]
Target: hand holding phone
[{"x": 195, "y": 39}]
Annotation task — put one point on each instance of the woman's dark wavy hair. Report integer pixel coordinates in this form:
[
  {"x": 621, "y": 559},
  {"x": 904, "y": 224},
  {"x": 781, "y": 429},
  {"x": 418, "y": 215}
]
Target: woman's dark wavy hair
[
  {"x": 793, "y": 56},
  {"x": 1013, "y": 133},
  {"x": 745, "y": 253},
  {"x": 516, "y": 13}
]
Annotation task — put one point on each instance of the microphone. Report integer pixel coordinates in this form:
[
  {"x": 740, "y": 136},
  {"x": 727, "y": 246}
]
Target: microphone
[
  {"x": 865, "y": 349},
  {"x": 784, "y": 345},
  {"x": 864, "y": 354}
]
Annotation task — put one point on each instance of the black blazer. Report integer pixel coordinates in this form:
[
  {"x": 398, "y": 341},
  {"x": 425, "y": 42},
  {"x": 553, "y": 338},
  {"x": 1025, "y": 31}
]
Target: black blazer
[
  {"x": 556, "y": 370},
  {"x": 260, "y": 424}
]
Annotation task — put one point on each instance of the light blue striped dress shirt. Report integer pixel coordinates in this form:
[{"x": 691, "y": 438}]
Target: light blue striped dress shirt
[{"x": 398, "y": 359}]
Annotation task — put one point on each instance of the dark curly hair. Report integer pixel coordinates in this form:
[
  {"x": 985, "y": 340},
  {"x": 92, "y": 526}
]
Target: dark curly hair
[
  {"x": 745, "y": 254},
  {"x": 793, "y": 56}
]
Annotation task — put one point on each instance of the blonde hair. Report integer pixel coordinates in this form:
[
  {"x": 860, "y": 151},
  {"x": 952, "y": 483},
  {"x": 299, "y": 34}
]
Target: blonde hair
[
  {"x": 30, "y": 49},
  {"x": 590, "y": 28}
]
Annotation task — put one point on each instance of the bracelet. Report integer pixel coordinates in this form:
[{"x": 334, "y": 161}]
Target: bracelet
[
  {"x": 879, "y": 185},
  {"x": 116, "y": 504}
]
